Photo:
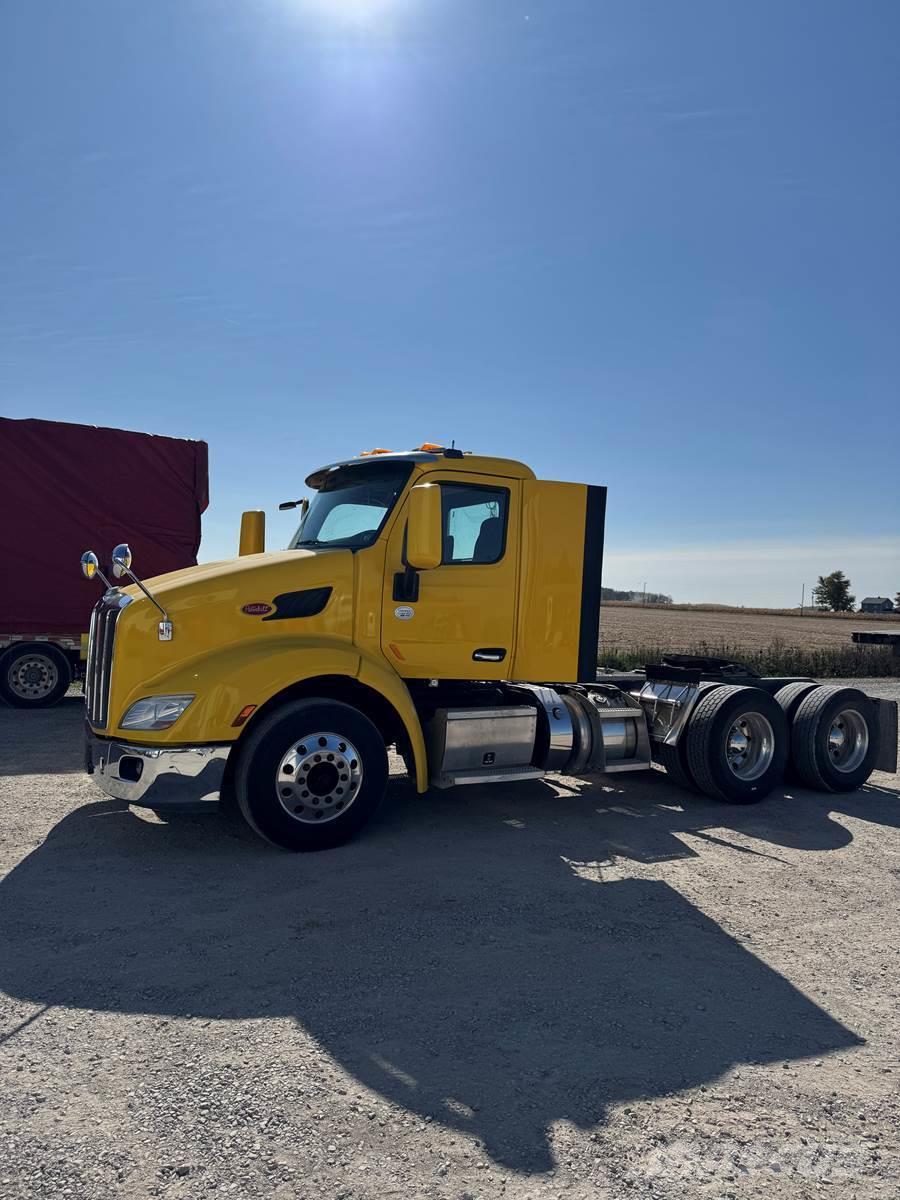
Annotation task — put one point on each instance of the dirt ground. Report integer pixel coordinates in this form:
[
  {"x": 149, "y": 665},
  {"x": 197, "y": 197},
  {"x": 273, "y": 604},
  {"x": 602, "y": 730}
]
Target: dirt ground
[
  {"x": 622, "y": 626},
  {"x": 558, "y": 990}
]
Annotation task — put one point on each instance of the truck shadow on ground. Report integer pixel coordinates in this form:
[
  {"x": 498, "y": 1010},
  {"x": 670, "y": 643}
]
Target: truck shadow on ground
[
  {"x": 25, "y": 737},
  {"x": 455, "y": 959}
]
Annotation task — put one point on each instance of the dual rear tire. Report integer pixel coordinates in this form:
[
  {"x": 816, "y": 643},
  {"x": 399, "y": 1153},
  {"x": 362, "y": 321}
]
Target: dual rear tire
[
  {"x": 834, "y": 738},
  {"x": 740, "y": 742},
  {"x": 736, "y": 744}
]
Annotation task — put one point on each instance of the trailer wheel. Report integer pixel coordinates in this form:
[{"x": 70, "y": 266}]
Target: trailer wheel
[
  {"x": 737, "y": 744},
  {"x": 35, "y": 675},
  {"x": 311, "y": 774},
  {"x": 834, "y": 739},
  {"x": 674, "y": 761}
]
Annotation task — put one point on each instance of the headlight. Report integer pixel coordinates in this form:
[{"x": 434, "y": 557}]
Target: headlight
[{"x": 155, "y": 712}]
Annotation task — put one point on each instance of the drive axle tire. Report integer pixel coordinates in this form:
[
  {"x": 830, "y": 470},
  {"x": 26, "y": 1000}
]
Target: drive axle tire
[
  {"x": 674, "y": 760},
  {"x": 34, "y": 675},
  {"x": 736, "y": 744},
  {"x": 311, "y": 774},
  {"x": 834, "y": 739},
  {"x": 791, "y": 694},
  {"x": 789, "y": 698}
]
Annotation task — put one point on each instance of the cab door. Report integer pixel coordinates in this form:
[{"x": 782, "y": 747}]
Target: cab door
[{"x": 462, "y": 625}]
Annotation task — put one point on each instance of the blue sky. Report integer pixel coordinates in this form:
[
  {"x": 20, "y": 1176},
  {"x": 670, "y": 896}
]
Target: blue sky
[{"x": 648, "y": 244}]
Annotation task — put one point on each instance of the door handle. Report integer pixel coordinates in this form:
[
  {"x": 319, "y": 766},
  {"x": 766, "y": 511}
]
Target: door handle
[{"x": 490, "y": 654}]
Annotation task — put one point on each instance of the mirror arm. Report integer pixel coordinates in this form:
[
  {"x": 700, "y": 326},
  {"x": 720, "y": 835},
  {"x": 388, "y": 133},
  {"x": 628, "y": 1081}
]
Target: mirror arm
[{"x": 131, "y": 575}]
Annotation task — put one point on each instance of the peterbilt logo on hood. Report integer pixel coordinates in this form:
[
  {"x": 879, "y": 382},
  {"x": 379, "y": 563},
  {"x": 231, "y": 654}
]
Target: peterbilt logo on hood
[{"x": 256, "y": 610}]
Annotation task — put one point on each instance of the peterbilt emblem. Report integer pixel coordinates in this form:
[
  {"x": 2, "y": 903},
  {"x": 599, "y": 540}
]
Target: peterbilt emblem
[
  {"x": 404, "y": 613},
  {"x": 256, "y": 610}
]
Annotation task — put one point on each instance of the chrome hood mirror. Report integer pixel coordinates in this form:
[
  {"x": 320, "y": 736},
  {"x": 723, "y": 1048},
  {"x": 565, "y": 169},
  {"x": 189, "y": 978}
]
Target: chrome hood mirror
[
  {"x": 90, "y": 568},
  {"x": 121, "y": 558}
]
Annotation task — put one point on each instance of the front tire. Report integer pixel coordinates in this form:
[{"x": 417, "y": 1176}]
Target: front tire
[
  {"x": 311, "y": 774},
  {"x": 34, "y": 676},
  {"x": 737, "y": 744}
]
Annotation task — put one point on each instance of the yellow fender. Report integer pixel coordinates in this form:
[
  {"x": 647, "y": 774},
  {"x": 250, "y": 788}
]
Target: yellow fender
[
  {"x": 252, "y": 672},
  {"x": 382, "y": 679}
]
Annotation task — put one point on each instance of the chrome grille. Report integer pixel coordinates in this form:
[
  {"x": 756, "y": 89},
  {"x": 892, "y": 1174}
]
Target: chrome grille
[{"x": 98, "y": 672}]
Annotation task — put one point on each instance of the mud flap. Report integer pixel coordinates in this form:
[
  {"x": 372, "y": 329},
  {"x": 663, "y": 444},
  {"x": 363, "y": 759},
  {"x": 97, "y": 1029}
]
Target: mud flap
[{"x": 886, "y": 713}]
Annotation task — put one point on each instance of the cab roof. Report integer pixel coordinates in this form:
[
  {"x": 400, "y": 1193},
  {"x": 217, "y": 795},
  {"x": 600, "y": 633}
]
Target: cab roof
[{"x": 450, "y": 460}]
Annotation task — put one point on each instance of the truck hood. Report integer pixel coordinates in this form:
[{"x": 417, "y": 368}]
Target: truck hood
[
  {"x": 271, "y": 600},
  {"x": 220, "y": 597},
  {"x": 226, "y": 601},
  {"x": 235, "y": 569}
]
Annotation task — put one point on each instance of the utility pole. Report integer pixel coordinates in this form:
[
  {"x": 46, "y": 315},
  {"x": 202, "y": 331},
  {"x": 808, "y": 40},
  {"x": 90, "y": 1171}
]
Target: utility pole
[{"x": 802, "y": 599}]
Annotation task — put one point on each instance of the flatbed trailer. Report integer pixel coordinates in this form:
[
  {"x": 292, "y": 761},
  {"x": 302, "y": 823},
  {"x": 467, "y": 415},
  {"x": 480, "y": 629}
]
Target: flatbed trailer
[{"x": 862, "y": 637}]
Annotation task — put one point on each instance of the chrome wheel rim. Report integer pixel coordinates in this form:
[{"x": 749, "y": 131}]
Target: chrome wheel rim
[
  {"x": 750, "y": 746},
  {"x": 319, "y": 778},
  {"x": 33, "y": 676},
  {"x": 848, "y": 740}
]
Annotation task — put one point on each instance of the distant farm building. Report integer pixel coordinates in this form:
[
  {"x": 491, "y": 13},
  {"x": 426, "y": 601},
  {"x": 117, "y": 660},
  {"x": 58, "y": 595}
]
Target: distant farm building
[{"x": 876, "y": 604}]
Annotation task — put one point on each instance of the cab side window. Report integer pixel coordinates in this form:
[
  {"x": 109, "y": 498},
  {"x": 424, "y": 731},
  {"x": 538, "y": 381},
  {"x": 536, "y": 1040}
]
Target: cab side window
[{"x": 474, "y": 523}]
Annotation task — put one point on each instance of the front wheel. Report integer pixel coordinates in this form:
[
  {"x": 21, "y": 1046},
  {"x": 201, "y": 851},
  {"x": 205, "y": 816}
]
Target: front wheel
[
  {"x": 34, "y": 676},
  {"x": 311, "y": 774}
]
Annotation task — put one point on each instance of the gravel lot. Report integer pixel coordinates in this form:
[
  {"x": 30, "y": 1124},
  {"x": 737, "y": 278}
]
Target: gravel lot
[{"x": 563, "y": 989}]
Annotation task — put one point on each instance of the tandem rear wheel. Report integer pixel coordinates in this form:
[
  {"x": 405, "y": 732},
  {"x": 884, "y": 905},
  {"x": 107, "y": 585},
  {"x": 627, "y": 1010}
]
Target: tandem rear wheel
[
  {"x": 736, "y": 744},
  {"x": 740, "y": 741},
  {"x": 834, "y": 739}
]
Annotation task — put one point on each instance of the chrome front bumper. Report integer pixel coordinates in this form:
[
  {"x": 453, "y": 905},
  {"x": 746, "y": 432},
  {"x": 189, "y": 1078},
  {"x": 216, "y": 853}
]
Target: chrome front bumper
[{"x": 156, "y": 776}]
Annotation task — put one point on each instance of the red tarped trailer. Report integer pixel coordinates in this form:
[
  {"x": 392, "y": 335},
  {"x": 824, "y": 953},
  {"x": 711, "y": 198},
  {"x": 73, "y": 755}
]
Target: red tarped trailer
[{"x": 68, "y": 488}]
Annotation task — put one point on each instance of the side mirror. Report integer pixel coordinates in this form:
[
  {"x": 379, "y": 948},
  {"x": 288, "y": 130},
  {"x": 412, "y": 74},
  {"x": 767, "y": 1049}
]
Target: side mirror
[
  {"x": 424, "y": 540},
  {"x": 287, "y": 505},
  {"x": 121, "y": 560},
  {"x": 253, "y": 532},
  {"x": 90, "y": 568}
]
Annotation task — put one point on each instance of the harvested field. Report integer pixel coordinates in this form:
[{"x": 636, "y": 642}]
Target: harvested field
[
  {"x": 632, "y": 634},
  {"x": 677, "y": 628}
]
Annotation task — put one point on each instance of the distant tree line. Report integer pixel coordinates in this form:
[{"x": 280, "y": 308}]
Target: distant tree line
[{"x": 646, "y": 597}]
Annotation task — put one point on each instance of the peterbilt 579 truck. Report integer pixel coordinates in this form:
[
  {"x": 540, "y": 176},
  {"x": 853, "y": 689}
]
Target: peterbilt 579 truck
[{"x": 448, "y": 605}]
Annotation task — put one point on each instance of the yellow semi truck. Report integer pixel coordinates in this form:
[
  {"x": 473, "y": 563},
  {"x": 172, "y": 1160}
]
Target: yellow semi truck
[{"x": 445, "y": 604}]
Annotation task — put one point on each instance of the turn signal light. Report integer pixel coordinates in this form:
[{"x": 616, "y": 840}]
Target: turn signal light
[{"x": 242, "y": 716}]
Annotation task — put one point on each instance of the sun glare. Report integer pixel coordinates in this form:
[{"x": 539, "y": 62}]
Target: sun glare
[{"x": 360, "y": 13}]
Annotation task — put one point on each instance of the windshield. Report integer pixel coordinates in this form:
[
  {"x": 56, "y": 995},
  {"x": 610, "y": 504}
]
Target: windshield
[{"x": 352, "y": 505}]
